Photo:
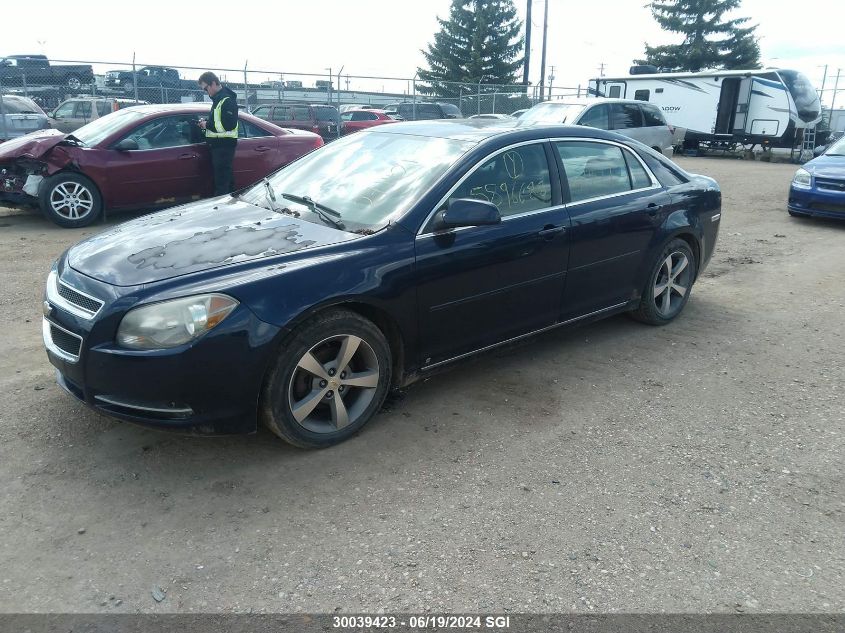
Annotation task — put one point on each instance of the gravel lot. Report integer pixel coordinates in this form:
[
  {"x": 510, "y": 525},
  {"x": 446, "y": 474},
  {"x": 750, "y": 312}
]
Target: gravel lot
[{"x": 610, "y": 468}]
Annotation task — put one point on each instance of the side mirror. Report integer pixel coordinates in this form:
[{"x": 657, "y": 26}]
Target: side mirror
[
  {"x": 468, "y": 212},
  {"x": 126, "y": 145}
]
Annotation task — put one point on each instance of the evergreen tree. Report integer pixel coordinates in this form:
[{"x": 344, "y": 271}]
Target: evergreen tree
[
  {"x": 481, "y": 41},
  {"x": 710, "y": 41}
]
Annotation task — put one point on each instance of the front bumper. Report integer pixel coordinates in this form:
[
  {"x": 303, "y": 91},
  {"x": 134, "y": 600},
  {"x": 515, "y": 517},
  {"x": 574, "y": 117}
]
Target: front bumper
[
  {"x": 210, "y": 386},
  {"x": 817, "y": 203}
]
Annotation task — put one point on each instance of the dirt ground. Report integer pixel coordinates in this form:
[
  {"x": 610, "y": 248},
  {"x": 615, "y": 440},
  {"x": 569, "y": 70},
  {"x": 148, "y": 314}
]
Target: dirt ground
[{"x": 611, "y": 468}]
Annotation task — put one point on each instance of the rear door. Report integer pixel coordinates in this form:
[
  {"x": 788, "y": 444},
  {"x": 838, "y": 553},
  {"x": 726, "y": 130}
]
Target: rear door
[
  {"x": 485, "y": 284},
  {"x": 172, "y": 164},
  {"x": 615, "y": 206},
  {"x": 256, "y": 155},
  {"x": 627, "y": 119}
]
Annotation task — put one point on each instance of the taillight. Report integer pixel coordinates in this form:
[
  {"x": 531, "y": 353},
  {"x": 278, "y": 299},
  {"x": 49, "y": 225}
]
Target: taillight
[{"x": 315, "y": 129}]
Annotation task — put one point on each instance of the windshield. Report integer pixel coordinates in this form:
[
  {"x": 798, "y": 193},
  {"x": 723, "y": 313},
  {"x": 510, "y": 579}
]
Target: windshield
[
  {"x": 20, "y": 105},
  {"x": 366, "y": 177},
  {"x": 837, "y": 149},
  {"x": 552, "y": 113},
  {"x": 803, "y": 94},
  {"x": 95, "y": 132}
]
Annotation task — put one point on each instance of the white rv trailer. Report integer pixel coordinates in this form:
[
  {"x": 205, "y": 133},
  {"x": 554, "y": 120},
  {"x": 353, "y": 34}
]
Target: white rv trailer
[{"x": 770, "y": 107}]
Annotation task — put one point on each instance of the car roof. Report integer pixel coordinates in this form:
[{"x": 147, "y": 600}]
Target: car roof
[
  {"x": 480, "y": 130},
  {"x": 585, "y": 101}
]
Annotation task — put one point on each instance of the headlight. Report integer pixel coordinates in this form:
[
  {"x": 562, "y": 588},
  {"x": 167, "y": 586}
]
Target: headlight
[
  {"x": 801, "y": 178},
  {"x": 173, "y": 323}
]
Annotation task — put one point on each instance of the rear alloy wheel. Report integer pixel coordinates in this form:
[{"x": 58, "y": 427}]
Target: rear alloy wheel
[
  {"x": 669, "y": 285},
  {"x": 73, "y": 82},
  {"x": 70, "y": 200},
  {"x": 332, "y": 376}
]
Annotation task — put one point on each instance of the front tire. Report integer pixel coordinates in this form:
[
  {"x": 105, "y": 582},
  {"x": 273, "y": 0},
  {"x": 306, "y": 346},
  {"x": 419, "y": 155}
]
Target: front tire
[
  {"x": 669, "y": 285},
  {"x": 73, "y": 82},
  {"x": 70, "y": 200},
  {"x": 332, "y": 375}
]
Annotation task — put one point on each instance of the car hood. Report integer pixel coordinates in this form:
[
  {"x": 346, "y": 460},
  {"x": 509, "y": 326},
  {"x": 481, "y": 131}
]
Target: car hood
[
  {"x": 193, "y": 238},
  {"x": 826, "y": 166},
  {"x": 33, "y": 145}
]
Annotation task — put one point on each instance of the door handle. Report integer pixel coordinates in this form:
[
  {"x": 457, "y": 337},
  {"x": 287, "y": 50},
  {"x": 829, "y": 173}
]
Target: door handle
[
  {"x": 550, "y": 231},
  {"x": 187, "y": 156},
  {"x": 652, "y": 208},
  {"x": 262, "y": 148}
]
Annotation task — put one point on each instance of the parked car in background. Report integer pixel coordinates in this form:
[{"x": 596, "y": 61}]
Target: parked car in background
[
  {"x": 72, "y": 114},
  {"x": 357, "y": 120},
  {"x": 20, "y": 116},
  {"x": 422, "y": 111},
  {"x": 36, "y": 70},
  {"x": 519, "y": 113},
  {"x": 365, "y": 266},
  {"x": 146, "y": 77},
  {"x": 818, "y": 187},
  {"x": 639, "y": 120},
  {"x": 493, "y": 117},
  {"x": 142, "y": 157},
  {"x": 319, "y": 119}
]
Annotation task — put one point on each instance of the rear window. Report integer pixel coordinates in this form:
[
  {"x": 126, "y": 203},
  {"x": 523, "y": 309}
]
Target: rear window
[
  {"x": 451, "y": 110},
  {"x": 20, "y": 105},
  {"x": 653, "y": 116},
  {"x": 326, "y": 113},
  {"x": 624, "y": 116}
]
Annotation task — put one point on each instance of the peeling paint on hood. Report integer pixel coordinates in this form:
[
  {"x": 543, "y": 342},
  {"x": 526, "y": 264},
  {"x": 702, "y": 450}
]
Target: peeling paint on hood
[
  {"x": 192, "y": 238},
  {"x": 34, "y": 145}
]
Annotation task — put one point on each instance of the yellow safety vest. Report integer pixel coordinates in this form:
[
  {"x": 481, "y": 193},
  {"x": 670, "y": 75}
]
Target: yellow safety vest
[{"x": 217, "y": 113}]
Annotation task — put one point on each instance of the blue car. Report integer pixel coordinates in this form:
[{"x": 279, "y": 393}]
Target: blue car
[
  {"x": 367, "y": 264},
  {"x": 818, "y": 188}
]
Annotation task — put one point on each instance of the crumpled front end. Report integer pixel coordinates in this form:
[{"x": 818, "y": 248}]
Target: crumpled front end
[{"x": 20, "y": 180}]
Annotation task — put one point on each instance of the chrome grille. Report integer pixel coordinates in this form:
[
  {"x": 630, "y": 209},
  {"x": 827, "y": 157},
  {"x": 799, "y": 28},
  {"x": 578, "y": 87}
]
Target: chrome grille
[
  {"x": 61, "y": 342},
  {"x": 831, "y": 184},
  {"x": 74, "y": 297}
]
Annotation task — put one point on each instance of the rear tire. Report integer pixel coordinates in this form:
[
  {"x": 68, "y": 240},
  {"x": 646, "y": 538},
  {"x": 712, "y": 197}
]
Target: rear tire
[
  {"x": 70, "y": 200},
  {"x": 668, "y": 286},
  {"x": 331, "y": 377},
  {"x": 73, "y": 82}
]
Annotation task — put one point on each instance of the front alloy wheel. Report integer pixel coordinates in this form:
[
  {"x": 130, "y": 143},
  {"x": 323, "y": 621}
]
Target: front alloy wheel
[
  {"x": 331, "y": 377},
  {"x": 70, "y": 199}
]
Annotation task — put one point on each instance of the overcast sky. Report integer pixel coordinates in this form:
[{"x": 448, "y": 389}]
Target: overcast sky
[{"x": 384, "y": 38}]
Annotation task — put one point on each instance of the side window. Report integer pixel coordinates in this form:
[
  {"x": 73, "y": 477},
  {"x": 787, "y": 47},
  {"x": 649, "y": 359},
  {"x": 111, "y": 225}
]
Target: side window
[
  {"x": 65, "y": 110},
  {"x": 653, "y": 117},
  {"x": 103, "y": 108},
  {"x": 250, "y": 130},
  {"x": 169, "y": 131},
  {"x": 593, "y": 169},
  {"x": 428, "y": 111},
  {"x": 262, "y": 111},
  {"x": 595, "y": 117},
  {"x": 639, "y": 178},
  {"x": 625, "y": 115},
  {"x": 347, "y": 116},
  {"x": 301, "y": 113},
  {"x": 615, "y": 92},
  {"x": 282, "y": 113},
  {"x": 83, "y": 110},
  {"x": 516, "y": 181},
  {"x": 667, "y": 176},
  {"x": 642, "y": 95}
]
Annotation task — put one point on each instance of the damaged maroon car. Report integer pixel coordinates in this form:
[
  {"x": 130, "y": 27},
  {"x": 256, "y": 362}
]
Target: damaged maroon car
[{"x": 143, "y": 157}]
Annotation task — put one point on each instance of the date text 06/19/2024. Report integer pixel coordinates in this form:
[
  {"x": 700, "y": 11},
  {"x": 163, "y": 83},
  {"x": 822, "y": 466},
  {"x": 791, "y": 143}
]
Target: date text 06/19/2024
[{"x": 421, "y": 621}]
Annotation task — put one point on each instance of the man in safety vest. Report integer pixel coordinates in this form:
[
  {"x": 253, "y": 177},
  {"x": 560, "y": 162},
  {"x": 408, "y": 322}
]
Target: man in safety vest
[{"x": 221, "y": 131}]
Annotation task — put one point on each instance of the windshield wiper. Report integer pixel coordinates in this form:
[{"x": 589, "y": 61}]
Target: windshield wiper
[
  {"x": 327, "y": 214},
  {"x": 271, "y": 199}
]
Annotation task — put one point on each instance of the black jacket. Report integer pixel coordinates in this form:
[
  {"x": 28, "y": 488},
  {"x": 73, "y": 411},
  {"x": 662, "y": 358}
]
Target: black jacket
[{"x": 229, "y": 116}]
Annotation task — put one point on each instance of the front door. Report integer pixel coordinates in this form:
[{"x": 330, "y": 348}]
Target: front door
[
  {"x": 171, "y": 164},
  {"x": 485, "y": 284},
  {"x": 615, "y": 208}
]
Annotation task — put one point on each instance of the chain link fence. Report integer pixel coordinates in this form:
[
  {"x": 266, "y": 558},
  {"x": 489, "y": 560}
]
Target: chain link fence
[{"x": 65, "y": 88}]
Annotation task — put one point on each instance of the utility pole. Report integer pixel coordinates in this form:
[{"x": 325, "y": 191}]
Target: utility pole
[
  {"x": 551, "y": 81},
  {"x": 543, "y": 62},
  {"x": 835, "y": 88},
  {"x": 527, "y": 44},
  {"x": 601, "y": 69}
]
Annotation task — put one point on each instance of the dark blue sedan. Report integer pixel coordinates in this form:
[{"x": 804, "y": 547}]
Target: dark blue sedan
[
  {"x": 818, "y": 188},
  {"x": 367, "y": 264}
]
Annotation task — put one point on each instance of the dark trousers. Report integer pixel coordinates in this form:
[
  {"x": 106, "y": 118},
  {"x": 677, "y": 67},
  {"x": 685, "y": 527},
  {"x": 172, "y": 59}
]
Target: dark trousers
[{"x": 222, "y": 157}]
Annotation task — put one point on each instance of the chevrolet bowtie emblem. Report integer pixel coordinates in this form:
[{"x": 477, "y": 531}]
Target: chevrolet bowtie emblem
[{"x": 47, "y": 308}]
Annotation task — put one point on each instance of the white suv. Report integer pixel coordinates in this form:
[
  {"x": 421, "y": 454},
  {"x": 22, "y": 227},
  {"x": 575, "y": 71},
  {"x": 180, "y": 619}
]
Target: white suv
[{"x": 640, "y": 120}]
